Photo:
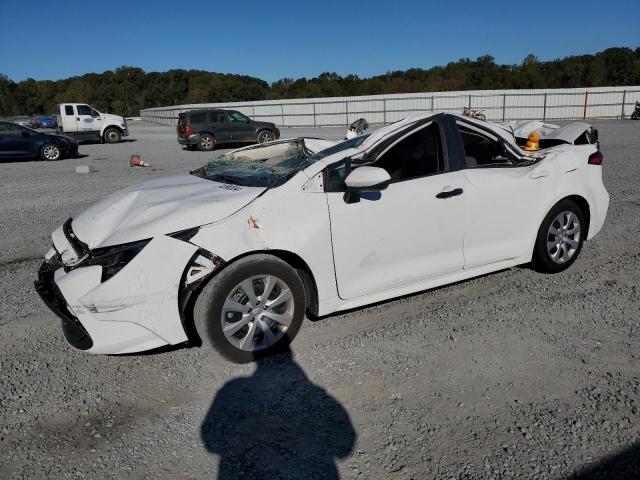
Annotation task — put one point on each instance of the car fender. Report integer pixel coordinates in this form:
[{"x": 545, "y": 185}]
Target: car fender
[
  {"x": 286, "y": 219},
  {"x": 568, "y": 180}
]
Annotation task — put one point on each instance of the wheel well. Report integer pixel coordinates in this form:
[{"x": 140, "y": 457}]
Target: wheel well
[
  {"x": 300, "y": 266},
  {"x": 584, "y": 206},
  {"x": 104, "y": 132}
]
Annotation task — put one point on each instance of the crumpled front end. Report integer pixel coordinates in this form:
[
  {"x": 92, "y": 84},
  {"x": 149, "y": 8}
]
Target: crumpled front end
[{"x": 108, "y": 308}]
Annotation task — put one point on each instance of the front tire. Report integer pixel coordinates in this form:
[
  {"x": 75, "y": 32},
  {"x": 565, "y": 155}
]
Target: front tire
[
  {"x": 251, "y": 309},
  {"x": 206, "y": 143},
  {"x": 560, "y": 237},
  {"x": 265, "y": 136},
  {"x": 635, "y": 115},
  {"x": 481, "y": 116},
  {"x": 50, "y": 152},
  {"x": 112, "y": 135}
]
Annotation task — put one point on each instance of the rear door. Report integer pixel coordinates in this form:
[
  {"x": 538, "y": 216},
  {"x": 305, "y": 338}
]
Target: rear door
[
  {"x": 504, "y": 199},
  {"x": 69, "y": 118},
  {"x": 15, "y": 141}
]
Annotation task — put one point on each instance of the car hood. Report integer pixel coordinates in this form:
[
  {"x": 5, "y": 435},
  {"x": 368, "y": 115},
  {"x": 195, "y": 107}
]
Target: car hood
[
  {"x": 159, "y": 207},
  {"x": 258, "y": 124},
  {"x": 109, "y": 117}
]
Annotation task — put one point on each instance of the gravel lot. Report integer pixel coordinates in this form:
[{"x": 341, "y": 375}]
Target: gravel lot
[{"x": 511, "y": 375}]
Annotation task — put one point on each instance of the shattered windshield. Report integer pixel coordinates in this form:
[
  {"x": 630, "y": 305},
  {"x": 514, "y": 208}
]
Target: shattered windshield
[{"x": 268, "y": 166}]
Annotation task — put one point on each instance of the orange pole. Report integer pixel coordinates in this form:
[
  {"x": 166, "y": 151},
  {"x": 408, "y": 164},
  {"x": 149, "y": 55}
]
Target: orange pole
[{"x": 586, "y": 101}]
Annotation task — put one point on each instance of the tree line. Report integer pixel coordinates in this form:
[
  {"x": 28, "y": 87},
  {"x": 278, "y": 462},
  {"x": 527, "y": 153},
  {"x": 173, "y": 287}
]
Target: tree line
[{"x": 127, "y": 90}]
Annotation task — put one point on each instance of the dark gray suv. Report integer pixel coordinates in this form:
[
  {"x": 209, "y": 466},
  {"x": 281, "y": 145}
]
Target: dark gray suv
[{"x": 205, "y": 128}]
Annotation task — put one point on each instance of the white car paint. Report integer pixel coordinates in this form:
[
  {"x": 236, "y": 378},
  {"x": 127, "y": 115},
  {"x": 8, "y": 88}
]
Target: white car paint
[
  {"x": 72, "y": 120},
  {"x": 398, "y": 241},
  {"x": 567, "y": 133},
  {"x": 159, "y": 206}
]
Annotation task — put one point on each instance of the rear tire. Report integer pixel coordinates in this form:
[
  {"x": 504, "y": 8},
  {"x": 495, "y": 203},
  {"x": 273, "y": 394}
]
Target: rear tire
[
  {"x": 206, "y": 143},
  {"x": 245, "y": 326},
  {"x": 635, "y": 115},
  {"x": 560, "y": 237},
  {"x": 50, "y": 152},
  {"x": 112, "y": 135}
]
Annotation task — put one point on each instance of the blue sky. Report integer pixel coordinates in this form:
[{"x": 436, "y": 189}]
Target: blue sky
[{"x": 273, "y": 39}]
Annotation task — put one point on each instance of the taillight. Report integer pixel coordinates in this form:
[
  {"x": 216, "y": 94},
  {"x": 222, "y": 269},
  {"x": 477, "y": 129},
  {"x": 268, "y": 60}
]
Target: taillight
[
  {"x": 187, "y": 131},
  {"x": 596, "y": 158}
]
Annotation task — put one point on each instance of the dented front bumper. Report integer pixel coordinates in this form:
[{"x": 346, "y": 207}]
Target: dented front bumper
[{"x": 137, "y": 309}]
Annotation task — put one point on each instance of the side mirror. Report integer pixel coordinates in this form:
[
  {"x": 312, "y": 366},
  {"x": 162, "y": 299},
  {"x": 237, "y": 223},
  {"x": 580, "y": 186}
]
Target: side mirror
[{"x": 367, "y": 179}]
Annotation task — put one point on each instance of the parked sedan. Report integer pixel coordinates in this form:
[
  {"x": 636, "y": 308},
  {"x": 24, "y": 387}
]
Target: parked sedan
[
  {"x": 19, "y": 141},
  {"x": 237, "y": 253},
  {"x": 48, "y": 121}
]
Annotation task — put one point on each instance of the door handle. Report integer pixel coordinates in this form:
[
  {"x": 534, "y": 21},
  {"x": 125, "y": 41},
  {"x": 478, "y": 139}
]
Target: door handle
[
  {"x": 539, "y": 174},
  {"x": 450, "y": 193},
  {"x": 78, "y": 119}
]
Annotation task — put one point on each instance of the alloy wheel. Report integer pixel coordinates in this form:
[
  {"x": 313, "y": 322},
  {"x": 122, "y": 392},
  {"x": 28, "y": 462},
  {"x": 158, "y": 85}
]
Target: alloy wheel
[
  {"x": 563, "y": 237},
  {"x": 205, "y": 142},
  {"x": 51, "y": 152},
  {"x": 257, "y": 313},
  {"x": 265, "y": 137}
]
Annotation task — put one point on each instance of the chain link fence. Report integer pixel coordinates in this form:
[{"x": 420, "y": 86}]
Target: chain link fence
[{"x": 549, "y": 104}]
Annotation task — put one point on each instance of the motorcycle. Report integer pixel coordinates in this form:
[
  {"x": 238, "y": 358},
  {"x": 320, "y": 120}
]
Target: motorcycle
[
  {"x": 469, "y": 112},
  {"x": 636, "y": 113}
]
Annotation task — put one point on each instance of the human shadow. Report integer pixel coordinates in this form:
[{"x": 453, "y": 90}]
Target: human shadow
[
  {"x": 277, "y": 424},
  {"x": 624, "y": 465}
]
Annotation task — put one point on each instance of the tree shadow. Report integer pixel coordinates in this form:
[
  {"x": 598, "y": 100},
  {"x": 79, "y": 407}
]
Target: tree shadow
[
  {"x": 622, "y": 466},
  {"x": 277, "y": 424}
]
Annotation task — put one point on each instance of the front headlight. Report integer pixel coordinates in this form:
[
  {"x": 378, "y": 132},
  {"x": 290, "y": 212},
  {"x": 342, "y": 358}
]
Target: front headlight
[{"x": 114, "y": 259}]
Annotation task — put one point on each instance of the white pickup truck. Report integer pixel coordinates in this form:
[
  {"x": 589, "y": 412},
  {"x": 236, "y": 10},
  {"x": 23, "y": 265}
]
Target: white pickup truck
[{"x": 83, "y": 122}]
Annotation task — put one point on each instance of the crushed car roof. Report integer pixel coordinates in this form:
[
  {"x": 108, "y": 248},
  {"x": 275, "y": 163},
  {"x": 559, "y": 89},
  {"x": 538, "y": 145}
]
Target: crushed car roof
[{"x": 568, "y": 133}]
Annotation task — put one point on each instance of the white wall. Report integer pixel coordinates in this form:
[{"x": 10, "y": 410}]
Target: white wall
[{"x": 549, "y": 104}]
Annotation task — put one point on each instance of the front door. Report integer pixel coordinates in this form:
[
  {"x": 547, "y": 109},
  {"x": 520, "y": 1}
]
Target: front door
[
  {"x": 242, "y": 129},
  {"x": 88, "y": 119},
  {"x": 410, "y": 232}
]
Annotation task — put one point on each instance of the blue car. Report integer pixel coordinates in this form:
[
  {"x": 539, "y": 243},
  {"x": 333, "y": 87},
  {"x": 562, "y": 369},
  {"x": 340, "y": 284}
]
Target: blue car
[{"x": 48, "y": 121}]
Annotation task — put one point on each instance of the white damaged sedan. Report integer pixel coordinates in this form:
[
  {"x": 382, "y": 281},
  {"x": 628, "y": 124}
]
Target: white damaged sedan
[{"x": 235, "y": 254}]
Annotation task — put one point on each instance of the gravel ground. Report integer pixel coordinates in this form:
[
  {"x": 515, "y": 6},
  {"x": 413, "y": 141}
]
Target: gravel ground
[{"x": 511, "y": 375}]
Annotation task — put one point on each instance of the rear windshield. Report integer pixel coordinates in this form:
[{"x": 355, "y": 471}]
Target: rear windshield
[{"x": 272, "y": 171}]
